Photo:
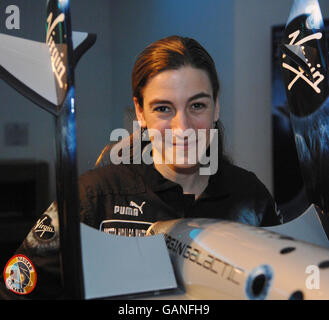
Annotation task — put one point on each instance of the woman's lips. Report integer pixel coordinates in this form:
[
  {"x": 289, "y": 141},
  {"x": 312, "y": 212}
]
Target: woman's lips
[{"x": 187, "y": 144}]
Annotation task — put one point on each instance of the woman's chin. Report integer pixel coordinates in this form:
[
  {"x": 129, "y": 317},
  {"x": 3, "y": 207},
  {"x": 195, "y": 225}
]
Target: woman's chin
[{"x": 184, "y": 167}]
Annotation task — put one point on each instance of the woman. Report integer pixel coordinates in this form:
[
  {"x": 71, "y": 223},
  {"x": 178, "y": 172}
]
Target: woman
[
  {"x": 175, "y": 89},
  {"x": 175, "y": 93}
]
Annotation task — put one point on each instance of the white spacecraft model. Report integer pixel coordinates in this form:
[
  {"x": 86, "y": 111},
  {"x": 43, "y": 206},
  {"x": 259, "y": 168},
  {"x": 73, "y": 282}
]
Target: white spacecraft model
[
  {"x": 210, "y": 259},
  {"x": 224, "y": 260}
]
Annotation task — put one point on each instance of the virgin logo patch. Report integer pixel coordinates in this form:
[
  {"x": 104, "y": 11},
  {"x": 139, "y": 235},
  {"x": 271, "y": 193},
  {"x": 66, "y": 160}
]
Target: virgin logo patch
[{"x": 43, "y": 229}]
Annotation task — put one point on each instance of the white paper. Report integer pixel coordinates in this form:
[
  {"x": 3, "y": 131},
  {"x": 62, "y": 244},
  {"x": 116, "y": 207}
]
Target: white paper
[{"x": 116, "y": 265}]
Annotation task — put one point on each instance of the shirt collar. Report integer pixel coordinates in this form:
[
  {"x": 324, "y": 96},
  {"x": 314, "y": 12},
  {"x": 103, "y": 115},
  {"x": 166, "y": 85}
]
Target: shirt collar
[
  {"x": 154, "y": 179},
  {"x": 218, "y": 185}
]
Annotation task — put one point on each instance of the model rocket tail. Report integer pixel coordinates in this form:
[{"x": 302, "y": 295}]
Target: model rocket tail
[
  {"x": 305, "y": 58},
  {"x": 304, "y": 65}
]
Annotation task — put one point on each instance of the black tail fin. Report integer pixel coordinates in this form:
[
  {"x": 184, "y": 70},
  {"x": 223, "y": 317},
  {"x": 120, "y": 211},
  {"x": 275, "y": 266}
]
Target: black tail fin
[
  {"x": 305, "y": 73},
  {"x": 59, "y": 41}
]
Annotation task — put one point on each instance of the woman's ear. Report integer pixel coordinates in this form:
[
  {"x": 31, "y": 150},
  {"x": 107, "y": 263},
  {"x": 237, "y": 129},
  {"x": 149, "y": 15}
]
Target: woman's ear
[
  {"x": 217, "y": 109},
  {"x": 139, "y": 113}
]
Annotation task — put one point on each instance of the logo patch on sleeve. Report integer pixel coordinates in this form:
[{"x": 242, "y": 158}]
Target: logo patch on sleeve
[
  {"x": 43, "y": 229},
  {"x": 19, "y": 275}
]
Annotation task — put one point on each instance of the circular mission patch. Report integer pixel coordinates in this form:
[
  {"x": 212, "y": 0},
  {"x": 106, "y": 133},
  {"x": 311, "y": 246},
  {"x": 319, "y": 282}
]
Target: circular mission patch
[{"x": 20, "y": 275}]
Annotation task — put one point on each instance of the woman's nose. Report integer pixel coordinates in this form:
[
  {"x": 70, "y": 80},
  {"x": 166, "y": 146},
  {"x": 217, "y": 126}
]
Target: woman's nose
[{"x": 180, "y": 122}]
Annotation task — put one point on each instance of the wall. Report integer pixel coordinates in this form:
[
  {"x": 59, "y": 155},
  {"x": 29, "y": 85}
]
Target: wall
[
  {"x": 135, "y": 24},
  {"x": 93, "y": 79},
  {"x": 15, "y": 108}
]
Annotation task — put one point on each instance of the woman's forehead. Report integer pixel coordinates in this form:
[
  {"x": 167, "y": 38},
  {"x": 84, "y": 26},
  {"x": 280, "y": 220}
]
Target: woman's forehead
[{"x": 184, "y": 82}]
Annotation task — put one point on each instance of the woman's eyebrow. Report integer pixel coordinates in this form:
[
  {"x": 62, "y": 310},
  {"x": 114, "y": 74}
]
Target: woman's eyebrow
[
  {"x": 196, "y": 96},
  {"x": 160, "y": 101},
  {"x": 200, "y": 95}
]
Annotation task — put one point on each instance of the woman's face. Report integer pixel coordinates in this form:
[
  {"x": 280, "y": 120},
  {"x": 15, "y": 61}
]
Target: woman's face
[{"x": 178, "y": 103}]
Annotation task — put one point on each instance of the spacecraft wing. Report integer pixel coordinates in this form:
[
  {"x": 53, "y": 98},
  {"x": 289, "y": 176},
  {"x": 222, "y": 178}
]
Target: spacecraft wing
[
  {"x": 26, "y": 66},
  {"x": 81, "y": 41},
  {"x": 30, "y": 68},
  {"x": 307, "y": 227}
]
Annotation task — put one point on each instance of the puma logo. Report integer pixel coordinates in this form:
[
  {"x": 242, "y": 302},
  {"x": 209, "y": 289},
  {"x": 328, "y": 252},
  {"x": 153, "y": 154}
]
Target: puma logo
[
  {"x": 134, "y": 204},
  {"x": 133, "y": 210}
]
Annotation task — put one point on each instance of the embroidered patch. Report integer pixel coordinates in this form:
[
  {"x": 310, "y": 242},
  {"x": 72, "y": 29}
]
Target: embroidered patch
[
  {"x": 43, "y": 229},
  {"x": 44, "y": 236},
  {"x": 19, "y": 275}
]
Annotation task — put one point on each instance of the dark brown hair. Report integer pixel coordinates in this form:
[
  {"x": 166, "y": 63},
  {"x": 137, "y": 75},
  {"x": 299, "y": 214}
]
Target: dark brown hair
[{"x": 171, "y": 53}]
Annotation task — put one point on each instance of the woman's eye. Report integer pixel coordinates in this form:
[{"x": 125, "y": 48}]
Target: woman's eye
[
  {"x": 162, "y": 109},
  {"x": 198, "y": 106}
]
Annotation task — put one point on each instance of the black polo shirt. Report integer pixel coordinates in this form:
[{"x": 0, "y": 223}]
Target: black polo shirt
[{"x": 126, "y": 199}]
